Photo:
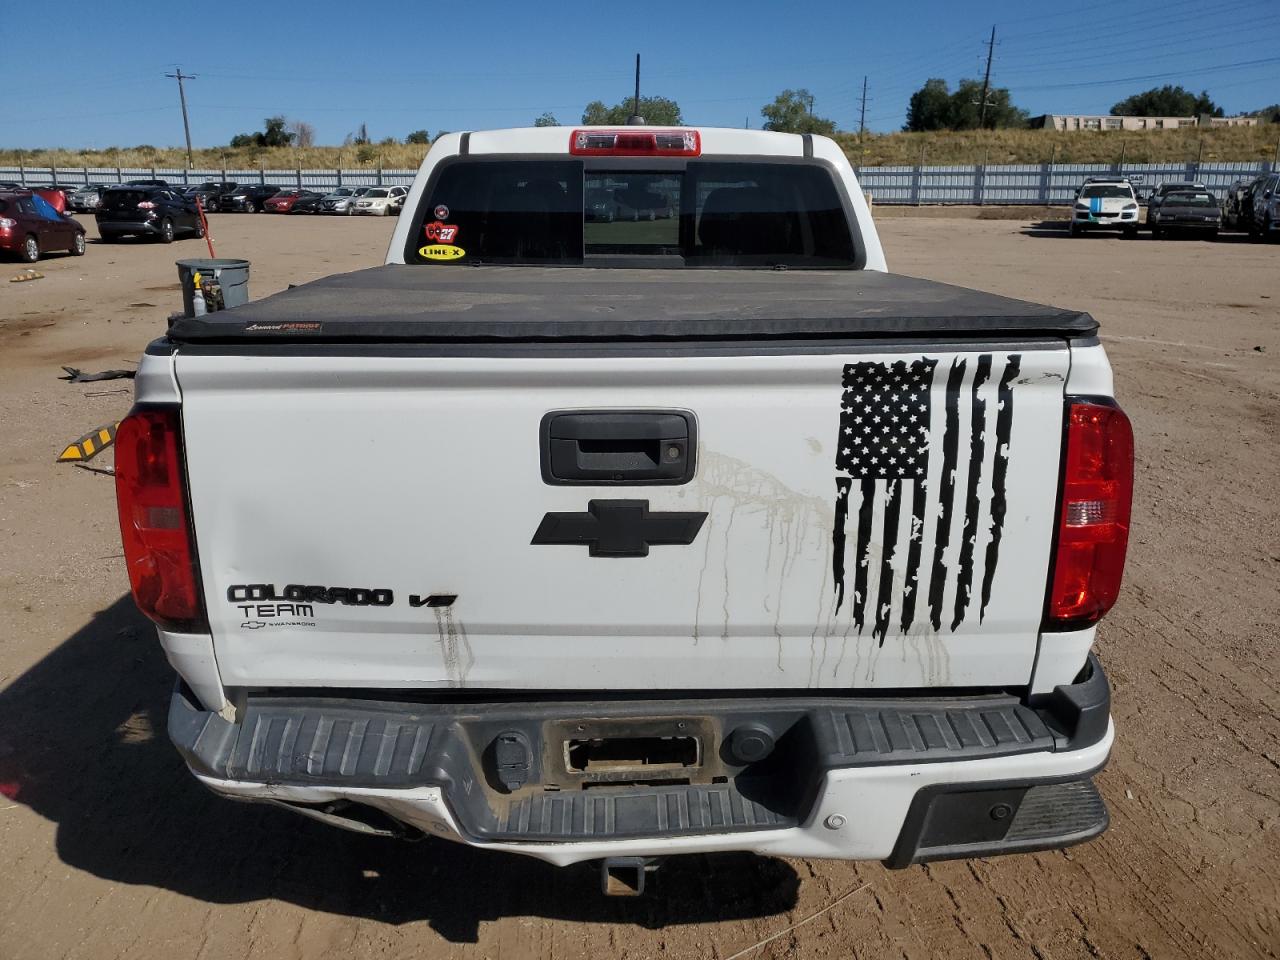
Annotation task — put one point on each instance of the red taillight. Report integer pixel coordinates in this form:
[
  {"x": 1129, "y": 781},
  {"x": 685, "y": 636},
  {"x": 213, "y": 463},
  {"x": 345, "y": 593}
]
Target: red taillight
[
  {"x": 146, "y": 205},
  {"x": 634, "y": 142},
  {"x": 154, "y": 526},
  {"x": 1093, "y": 518}
]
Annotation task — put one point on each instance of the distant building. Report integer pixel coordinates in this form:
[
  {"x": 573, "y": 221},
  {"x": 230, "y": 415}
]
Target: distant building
[
  {"x": 1228, "y": 121},
  {"x": 1062, "y": 121}
]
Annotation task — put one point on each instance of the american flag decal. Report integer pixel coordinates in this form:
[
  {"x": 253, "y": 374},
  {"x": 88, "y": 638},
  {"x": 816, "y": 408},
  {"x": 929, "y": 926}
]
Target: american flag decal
[{"x": 916, "y": 510}]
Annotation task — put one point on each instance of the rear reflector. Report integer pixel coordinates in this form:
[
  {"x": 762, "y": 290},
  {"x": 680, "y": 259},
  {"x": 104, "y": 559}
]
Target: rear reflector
[
  {"x": 154, "y": 526},
  {"x": 1093, "y": 522},
  {"x": 634, "y": 142}
]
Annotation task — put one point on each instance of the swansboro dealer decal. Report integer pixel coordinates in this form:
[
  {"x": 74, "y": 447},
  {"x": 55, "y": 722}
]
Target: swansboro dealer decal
[{"x": 291, "y": 606}]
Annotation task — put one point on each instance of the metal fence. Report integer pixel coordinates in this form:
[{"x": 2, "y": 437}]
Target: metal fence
[
  {"x": 1043, "y": 183},
  {"x": 301, "y": 177},
  {"x": 1035, "y": 183}
]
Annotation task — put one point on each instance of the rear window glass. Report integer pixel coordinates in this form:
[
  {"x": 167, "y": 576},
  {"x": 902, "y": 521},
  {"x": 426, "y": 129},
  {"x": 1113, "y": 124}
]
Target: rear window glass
[
  {"x": 1192, "y": 200},
  {"x": 706, "y": 213},
  {"x": 123, "y": 199},
  {"x": 1106, "y": 190}
]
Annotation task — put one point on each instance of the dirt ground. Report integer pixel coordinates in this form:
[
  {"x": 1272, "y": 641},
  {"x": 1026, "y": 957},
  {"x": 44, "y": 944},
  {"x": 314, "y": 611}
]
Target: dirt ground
[{"x": 109, "y": 849}]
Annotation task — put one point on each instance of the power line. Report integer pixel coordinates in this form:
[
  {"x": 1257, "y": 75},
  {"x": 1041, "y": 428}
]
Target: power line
[{"x": 182, "y": 96}]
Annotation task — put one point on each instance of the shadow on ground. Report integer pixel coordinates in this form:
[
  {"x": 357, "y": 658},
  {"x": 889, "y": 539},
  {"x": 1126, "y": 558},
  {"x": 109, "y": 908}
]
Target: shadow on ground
[
  {"x": 1061, "y": 230},
  {"x": 83, "y": 744}
]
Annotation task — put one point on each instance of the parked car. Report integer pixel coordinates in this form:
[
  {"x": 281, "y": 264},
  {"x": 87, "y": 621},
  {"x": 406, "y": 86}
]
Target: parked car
[
  {"x": 146, "y": 211},
  {"x": 11, "y": 185},
  {"x": 1185, "y": 210},
  {"x": 381, "y": 201},
  {"x": 86, "y": 198},
  {"x": 1105, "y": 204},
  {"x": 1162, "y": 190},
  {"x": 1237, "y": 208},
  {"x": 1264, "y": 224},
  {"x": 55, "y": 197},
  {"x": 968, "y": 496},
  {"x": 31, "y": 227},
  {"x": 307, "y": 202},
  {"x": 247, "y": 198},
  {"x": 145, "y": 183},
  {"x": 284, "y": 200},
  {"x": 342, "y": 199},
  {"x": 210, "y": 194}
]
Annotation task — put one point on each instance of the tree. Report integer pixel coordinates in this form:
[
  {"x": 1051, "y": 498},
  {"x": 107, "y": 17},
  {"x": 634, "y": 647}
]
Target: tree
[
  {"x": 1166, "y": 101},
  {"x": 1269, "y": 114},
  {"x": 274, "y": 135},
  {"x": 361, "y": 136},
  {"x": 966, "y": 108},
  {"x": 935, "y": 107},
  {"x": 930, "y": 107},
  {"x": 657, "y": 111},
  {"x": 303, "y": 133},
  {"x": 418, "y": 136},
  {"x": 546, "y": 120},
  {"x": 792, "y": 112}
]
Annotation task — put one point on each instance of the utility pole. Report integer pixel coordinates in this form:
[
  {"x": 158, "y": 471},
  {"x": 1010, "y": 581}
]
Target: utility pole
[
  {"x": 635, "y": 119},
  {"x": 862, "y": 115},
  {"x": 986, "y": 80},
  {"x": 182, "y": 95}
]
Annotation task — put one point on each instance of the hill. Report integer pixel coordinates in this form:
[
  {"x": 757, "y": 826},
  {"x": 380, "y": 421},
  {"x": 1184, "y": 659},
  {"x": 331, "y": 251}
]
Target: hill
[{"x": 937, "y": 148}]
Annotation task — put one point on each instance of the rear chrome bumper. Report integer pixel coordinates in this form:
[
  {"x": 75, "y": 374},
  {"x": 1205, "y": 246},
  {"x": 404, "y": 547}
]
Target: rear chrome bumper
[{"x": 903, "y": 780}]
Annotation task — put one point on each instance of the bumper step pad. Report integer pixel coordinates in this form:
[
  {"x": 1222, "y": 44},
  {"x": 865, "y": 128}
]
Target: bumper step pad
[{"x": 358, "y": 742}]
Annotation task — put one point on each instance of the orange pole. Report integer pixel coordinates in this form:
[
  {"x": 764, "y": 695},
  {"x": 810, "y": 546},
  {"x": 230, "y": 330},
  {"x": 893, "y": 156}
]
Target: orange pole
[{"x": 205, "y": 223}]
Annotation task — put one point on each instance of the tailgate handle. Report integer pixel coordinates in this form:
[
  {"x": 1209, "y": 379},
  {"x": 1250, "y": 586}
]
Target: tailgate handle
[{"x": 611, "y": 447}]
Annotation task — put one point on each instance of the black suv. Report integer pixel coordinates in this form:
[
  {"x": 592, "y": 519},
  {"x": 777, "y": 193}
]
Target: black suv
[
  {"x": 247, "y": 198},
  {"x": 146, "y": 211}
]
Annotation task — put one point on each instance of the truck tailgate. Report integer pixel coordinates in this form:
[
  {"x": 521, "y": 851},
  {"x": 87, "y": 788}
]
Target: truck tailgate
[{"x": 875, "y": 517}]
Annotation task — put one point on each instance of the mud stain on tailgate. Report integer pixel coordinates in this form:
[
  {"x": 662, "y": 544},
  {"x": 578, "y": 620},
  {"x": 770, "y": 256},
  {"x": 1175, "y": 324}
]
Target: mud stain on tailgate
[
  {"x": 795, "y": 525},
  {"x": 455, "y": 647}
]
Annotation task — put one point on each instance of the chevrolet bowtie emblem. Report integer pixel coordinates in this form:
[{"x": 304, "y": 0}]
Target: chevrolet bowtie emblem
[{"x": 619, "y": 528}]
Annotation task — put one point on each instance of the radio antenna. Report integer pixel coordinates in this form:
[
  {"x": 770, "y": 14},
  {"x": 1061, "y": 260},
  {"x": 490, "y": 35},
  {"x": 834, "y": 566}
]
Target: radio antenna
[{"x": 635, "y": 120}]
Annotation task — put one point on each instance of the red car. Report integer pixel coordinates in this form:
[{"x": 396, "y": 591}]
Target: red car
[
  {"x": 30, "y": 226},
  {"x": 286, "y": 200}
]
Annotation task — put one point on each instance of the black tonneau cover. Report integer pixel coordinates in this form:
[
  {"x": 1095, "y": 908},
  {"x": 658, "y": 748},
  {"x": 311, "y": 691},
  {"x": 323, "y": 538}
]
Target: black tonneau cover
[{"x": 417, "y": 304}]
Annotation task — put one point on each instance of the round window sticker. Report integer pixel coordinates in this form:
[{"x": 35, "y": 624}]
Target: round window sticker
[{"x": 441, "y": 212}]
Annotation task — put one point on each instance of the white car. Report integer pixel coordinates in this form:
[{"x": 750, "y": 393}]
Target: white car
[
  {"x": 1105, "y": 203},
  {"x": 381, "y": 201}
]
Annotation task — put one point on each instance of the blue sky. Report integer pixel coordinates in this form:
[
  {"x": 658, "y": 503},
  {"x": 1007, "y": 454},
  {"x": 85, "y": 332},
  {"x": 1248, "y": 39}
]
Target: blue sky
[{"x": 456, "y": 65}]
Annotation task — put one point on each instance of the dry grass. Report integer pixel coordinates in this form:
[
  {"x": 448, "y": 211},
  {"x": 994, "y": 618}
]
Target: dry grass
[
  {"x": 974, "y": 146},
  {"x": 390, "y": 156},
  {"x": 1225, "y": 144}
]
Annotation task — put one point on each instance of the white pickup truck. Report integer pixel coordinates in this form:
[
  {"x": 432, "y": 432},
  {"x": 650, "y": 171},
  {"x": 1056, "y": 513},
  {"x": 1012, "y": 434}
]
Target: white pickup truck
[{"x": 632, "y": 508}]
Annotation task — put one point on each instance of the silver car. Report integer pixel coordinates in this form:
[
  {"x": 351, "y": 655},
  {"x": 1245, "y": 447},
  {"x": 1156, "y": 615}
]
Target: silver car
[
  {"x": 341, "y": 200},
  {"x": 86, "y": 198}
]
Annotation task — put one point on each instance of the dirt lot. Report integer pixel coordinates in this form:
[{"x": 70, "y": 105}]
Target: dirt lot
[{"x": 109, "y": 849}]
